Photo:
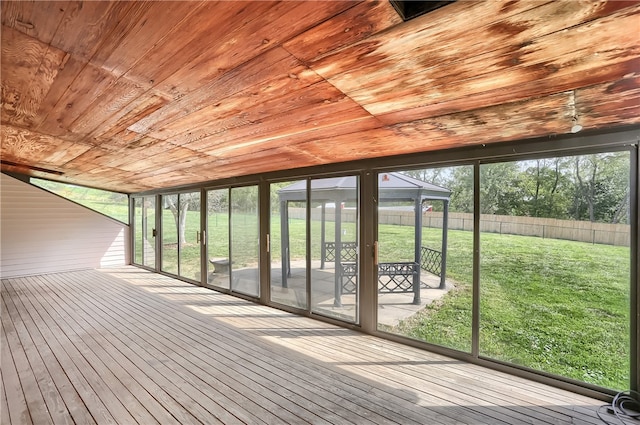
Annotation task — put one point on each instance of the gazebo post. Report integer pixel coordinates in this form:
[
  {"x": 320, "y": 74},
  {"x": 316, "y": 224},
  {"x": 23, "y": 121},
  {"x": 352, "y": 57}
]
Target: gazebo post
[
  {"x": 284, "y": 242},
  {"x": 445, "y": 230},
  {"x": 417, "y": 249},
  {"x": 323, "y": 247},
  {"x": 338, "y": 255}
]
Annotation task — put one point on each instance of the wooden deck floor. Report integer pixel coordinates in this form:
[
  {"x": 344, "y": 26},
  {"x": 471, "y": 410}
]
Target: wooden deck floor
[{"x": 129, "y": 346}]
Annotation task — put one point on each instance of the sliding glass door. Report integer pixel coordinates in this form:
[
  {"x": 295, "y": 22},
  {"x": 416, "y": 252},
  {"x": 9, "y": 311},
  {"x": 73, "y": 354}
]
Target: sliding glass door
[
  {"x": 218, "y": 271},
  {"x": 314, "y": 246},
  {"x": 288, "y": 244},
  {"x": 181, "y": 235},
  {"x": 245, "y": 240},
  {"x": 555, "y": 266},
  {"x": 144, "y": 223},
  {"x": 425, "y": 255}
]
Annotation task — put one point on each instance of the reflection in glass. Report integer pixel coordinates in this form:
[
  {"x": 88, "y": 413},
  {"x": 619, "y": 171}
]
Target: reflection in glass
[
  {"x": 187, "y": 214},
  {"x": 425, "y": 241},
  {"x": 289, "y": 243},
  {"x": 218, "y": 238},
  {"x": 169, "y": 235},
  {"x": 334, "y": 243},
  {"x": 555, "y": 264},
  {"x": 138, "y": 227},
  {"x": 245, "y": 240},
  {"x": 148, "y": 225}
]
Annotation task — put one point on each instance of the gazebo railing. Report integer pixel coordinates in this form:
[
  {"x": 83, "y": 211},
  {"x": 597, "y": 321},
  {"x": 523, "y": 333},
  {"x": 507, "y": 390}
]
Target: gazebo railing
[
  {"x": 398, "y": 277},
  {"x": 393, "y": 277},
  {"x": 431, "y": 260},
  {"x": 349, "y": 252}
]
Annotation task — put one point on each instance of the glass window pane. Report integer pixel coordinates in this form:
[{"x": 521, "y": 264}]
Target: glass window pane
[
  {"x": 289, "y": 243},
  {"x": 189, "y": 235},
  {"x": 170, "y": 234},
  {"x": 245, "y": 241},
  {"x": 112, "y": 204},
  {"x": 334, "y": 243},
  {"x": 148, "y": 226},
  {"x": 555, "y": 264},
  {"x": 138, "y": 228},
  {"x": 218, "y": 238},
  {"x": 425, "y": 239}
]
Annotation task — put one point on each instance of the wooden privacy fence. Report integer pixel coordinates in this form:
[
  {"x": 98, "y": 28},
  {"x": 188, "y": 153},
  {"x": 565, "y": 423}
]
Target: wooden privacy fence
[{"x": 550, "y": 228}]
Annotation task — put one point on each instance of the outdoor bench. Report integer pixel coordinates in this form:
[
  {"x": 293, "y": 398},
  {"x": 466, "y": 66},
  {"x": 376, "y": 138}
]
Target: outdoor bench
[
  {"x": 395, "y": 277},
  {"x": 220, "y": 265}
]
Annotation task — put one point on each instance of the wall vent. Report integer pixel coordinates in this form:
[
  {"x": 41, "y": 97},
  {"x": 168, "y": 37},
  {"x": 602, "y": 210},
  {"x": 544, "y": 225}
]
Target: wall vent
[{"x": 412, "y": 9}]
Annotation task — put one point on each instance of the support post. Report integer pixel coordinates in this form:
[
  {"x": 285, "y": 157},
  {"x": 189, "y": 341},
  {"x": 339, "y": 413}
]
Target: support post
[
  {"x": 323, "y": 246},
  {"x": 445, "y": 231},
  {"x": 338, "y": 255},
  {"x": 417, "y": 247}
]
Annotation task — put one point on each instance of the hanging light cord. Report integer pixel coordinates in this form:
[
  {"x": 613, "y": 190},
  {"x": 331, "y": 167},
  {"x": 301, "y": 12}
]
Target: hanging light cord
[{"x": 625, "y": 407}]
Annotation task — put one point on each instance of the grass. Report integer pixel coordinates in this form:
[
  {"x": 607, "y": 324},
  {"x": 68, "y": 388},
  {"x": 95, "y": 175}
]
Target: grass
[{"x": 557, "y": 306}]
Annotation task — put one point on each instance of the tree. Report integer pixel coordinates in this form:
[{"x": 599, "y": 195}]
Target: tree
[
  {"x": 179, "y": 205},
  {"x": 544, "y": 188},
  {"x": 601, "y": 187},
  {"x": 461, "y": 186}
]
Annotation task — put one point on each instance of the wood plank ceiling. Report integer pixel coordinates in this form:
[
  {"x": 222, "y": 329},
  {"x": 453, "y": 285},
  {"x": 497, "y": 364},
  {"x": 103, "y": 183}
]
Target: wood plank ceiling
[{"x": 133, "y": 96}]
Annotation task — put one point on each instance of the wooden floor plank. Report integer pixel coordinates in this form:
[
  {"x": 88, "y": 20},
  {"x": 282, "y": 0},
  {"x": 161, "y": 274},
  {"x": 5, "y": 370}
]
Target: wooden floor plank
[
  {"x": 53, "y": 401},
  {"x": 130, "y": 346},
  {"x": 164, "y": 408},
  {"x": 73, "y": 402},
  {"x": 208, "y": 412},
  {"x": 4, "y": 405},
  {"x": 33, "y": 397},
  {"x": 91, "y": 398},
  {"x": 457, "y": 413},
  {"x": 18, "y": 409},
  {"x": 220, "y": 364},
  {"x": 338, "y": 378},
  {"x": 511, "y": 419},
  {"x": 111, "y": 372}
]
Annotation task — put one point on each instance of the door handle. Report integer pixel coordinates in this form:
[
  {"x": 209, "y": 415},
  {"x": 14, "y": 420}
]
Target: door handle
[{"x": 375, "y": 253}]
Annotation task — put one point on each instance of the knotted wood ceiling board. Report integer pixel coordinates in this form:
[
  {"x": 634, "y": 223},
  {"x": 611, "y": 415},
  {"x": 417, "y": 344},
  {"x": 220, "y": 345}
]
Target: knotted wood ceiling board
[{"x": 133, "y": 96}]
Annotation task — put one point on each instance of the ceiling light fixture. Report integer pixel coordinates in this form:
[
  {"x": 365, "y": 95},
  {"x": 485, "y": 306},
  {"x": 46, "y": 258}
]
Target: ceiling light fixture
[{"x": 575, "y": 127}]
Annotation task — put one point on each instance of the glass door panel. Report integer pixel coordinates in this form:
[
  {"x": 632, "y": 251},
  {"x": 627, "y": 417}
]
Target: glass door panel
[
  {"x": 289, "y": 243},
  {"x": 138, "y": 238},
  {"x": 189, "y": 235},
  {"x": 555, "y": 266},
  {"x": 334, "y": 244},
  {"x": 148, "y": 231},
  {"x": 169, "y": 234},
  {"x": 425, "y": 255},
  {"x": 218, "y": 272},
  {"x": 245, "y": 241}
]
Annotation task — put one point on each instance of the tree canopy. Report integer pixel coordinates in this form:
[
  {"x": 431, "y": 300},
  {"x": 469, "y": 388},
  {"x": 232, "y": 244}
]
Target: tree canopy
[{"x": 591, "y": 187}]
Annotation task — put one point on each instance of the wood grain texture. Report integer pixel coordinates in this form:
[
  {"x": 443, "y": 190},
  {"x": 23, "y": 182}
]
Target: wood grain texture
[
  {"x": 29, "y": 69},
  {"x": 119, "y": 87},
  {"x": 121, "y": 335}
]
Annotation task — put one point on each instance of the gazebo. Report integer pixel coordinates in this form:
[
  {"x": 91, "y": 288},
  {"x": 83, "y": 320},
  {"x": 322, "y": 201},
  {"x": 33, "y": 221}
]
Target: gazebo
[{"x": 393, "y": 187}]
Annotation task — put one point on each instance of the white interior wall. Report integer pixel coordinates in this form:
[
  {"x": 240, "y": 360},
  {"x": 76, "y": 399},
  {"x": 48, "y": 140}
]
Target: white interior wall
[{"x": 43, "y": 233}]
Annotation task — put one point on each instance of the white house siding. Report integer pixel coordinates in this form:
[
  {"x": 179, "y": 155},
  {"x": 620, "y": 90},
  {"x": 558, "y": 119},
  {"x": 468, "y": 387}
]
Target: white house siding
[{"x": 43, "y": 233}]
